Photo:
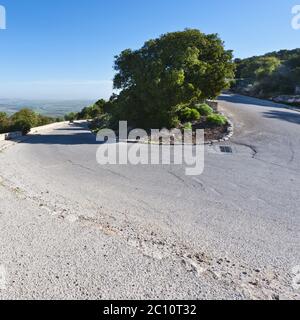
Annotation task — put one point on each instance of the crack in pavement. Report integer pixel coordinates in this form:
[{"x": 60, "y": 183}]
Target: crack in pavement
[{"x": 250, "y": 283}]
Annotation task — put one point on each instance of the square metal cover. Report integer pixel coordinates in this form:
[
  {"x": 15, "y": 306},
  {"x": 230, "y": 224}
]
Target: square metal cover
[{"x": 226, "y": 149}]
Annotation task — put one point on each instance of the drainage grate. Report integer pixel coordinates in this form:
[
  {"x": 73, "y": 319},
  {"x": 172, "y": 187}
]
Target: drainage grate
[{"x": 226, "y": 149}]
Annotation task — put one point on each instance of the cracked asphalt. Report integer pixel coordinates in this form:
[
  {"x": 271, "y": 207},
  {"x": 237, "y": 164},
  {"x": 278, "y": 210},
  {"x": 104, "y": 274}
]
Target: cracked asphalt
[{"x": 72, "y": 229}]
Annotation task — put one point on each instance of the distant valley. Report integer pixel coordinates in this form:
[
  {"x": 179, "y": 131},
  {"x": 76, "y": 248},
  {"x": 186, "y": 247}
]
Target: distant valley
[{"x": 53, "y": 108}]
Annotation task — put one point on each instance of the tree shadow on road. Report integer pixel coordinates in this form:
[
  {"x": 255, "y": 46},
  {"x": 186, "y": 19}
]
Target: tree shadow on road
[
  {"x": 289, "y": 116},
  {"x": 238, "y": 99},
  {"x": 75, "y": 134},
  {"x": 62, "y": 139}
]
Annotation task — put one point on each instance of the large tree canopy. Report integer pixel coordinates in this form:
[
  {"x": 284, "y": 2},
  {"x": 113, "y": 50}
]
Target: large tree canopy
[{"x": 167, "y": 74}]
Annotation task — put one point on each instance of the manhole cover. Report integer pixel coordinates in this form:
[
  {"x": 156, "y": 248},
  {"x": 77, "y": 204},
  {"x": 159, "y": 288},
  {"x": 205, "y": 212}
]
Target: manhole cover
[{"x": 226, "y": 149}]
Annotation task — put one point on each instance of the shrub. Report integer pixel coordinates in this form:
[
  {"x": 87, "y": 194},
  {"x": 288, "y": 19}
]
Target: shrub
[
  {"x": 187, "y": 114},
  {"x": 194, "y": 115},
  {"x": 43, "y": 120},
  {"x": 71, "y": 116},
  {"x": 188, "y": 126},
  {"x": 204, "y": 109},
  {"x": 24, "y": 120},
  {"x": 175, "y": 122},
  {"x": 217, "y": 119},
  {"x": 4, "y": 122}
]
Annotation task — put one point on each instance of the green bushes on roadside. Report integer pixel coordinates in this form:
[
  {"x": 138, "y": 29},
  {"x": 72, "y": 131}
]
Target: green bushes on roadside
[
  {"x": 71, "y": 116},
  {"x": 23, "y": 121},
  {"x": 188, "y": 126},
  {"x": 187, "y": 114},
  {"x": 204, "y": 109},
  {"x": 4, "y": 122},
  {"x": 217, "y": 120}
]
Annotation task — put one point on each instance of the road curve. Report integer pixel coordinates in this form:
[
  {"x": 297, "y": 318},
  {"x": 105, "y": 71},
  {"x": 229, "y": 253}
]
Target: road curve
[{"x": 72, "y": 229}]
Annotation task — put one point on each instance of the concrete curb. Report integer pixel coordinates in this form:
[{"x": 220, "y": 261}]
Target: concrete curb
[
  {"x": 37, "y": 130},
  {"x": 292, "y": 108},
  {"x": 16, "y": 137},
  {"x": 10, "y": 135}
]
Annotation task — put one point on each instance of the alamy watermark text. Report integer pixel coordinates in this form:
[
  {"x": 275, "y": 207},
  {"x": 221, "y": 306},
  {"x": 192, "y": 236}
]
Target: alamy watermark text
[
  {"x": 2, "y": 18},
  {"x": 296, "y": 17}
]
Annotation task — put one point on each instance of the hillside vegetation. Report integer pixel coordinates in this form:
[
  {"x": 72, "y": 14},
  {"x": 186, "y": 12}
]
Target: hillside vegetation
[
  {"x": 270, "y": 75},
  {"x": 23, "y": 120}
]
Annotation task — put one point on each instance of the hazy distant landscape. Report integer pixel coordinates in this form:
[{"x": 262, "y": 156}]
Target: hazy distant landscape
[{"x": 53, "y": 108}]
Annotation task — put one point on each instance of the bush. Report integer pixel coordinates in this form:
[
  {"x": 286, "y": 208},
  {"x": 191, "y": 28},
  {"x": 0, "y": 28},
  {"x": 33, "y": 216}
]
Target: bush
[
  {"x": 71, "y": 116},
  {"x": 24, "y": 120},
  {"x": 184, "y": 114},
  {"x": 44, "y": 120},
  {"x": 4, "y": 122},
  {"x": 217, "y": 120},
  {"x": 204, "y": 109},
  {"x": 194, "y": 115},
  {"x": 188, "y": 126},
  {"x": 187, "y": 114}
]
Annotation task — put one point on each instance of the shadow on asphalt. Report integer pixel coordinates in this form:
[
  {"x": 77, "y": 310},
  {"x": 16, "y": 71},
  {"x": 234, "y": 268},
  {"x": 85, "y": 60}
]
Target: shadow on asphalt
[
  {"x": 69, "y": 129},
  {"x": 76, "y": 134},
  {"x": 60, "y": 139},
  {"x": 289, "y": 116},
  {"x": 249, "y": 100}
]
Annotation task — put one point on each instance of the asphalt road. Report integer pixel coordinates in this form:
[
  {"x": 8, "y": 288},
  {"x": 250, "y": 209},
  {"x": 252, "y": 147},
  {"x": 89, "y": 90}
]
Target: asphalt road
[{"x": 72, "y": 229}]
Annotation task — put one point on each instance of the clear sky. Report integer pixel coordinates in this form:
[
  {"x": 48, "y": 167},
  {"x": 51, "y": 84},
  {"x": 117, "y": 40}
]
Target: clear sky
[{"x": 64, "y": 49}]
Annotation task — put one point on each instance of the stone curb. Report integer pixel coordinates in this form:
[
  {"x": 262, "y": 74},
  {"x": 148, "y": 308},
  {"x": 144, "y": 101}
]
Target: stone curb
[{"x": 227, "y": 136}]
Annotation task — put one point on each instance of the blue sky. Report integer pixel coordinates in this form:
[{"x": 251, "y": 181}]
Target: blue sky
[{"x": 64, "y": 49}]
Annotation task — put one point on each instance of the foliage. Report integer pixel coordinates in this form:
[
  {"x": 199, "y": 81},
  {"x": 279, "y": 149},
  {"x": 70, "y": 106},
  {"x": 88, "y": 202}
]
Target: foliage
[
  {"x": 204, "y": 109},
  {"x": 257, "y": 68},
  {"x": 24, "y": 120},
  {"x": 92, "y": 112},
  {"x": 188, "y": 126},
  {"x": 44, "y": 120},
  {"x": 4, "y": 122},
  {"x": 71, "y": 116},
  {"x": 276, "y": 73},
  {"x": 177, "y": 68},
  {"x": 188, "y": 114},
  {"x": 217, "y": 120}
]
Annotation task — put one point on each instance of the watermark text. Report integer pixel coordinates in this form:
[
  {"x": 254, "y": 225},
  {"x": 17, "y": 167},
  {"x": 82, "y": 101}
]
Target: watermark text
[
  {"x": 166, "y": 147},
  {"x": 296, "y": 17},
  {"x": 2, "y": 18}
]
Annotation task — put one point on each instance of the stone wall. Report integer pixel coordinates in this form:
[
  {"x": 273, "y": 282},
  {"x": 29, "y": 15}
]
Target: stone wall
[
  {"x": 10, "y": 135},
  {"x": 213, "y": 104},
  {"x": 18, "y": 134}
]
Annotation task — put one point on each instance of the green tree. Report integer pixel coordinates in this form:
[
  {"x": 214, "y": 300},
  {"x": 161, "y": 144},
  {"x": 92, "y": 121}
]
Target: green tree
[
  {"x": 24, "y": 120},
  {"x": 4, "y": 122},
  {"x": 257, "y": 67},
  {"x": 180, "y": 68},
  {"x": 71, "y": 116},
  {"x": 93, "y": 111},
  {"x": 44, "y": 120},
  {"x": 275, "y": 73},
  {"x": 266, "y": 66}
]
